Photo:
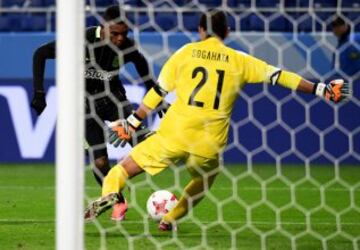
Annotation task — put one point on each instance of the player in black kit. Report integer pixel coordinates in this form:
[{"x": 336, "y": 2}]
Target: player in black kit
[{"x": 107, "y": 49}]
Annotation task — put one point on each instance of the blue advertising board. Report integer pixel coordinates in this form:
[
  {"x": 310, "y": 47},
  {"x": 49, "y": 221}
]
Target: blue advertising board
[{"x": 270, "y": 124}]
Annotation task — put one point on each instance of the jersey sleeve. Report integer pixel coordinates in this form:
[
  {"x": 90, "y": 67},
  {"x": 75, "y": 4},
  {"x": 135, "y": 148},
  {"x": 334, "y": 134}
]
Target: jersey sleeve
[
  {"x": 256, "y": 70},
  {"x": 40, "y": 56},
  {"x": 169, "y": 72}
]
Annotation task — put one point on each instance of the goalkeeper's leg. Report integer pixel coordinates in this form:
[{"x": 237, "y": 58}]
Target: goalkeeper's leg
[
  {"x": 102, "y": 168},
  {"x": 113, "y": 184},
  {"x": 98, "y": 153},
  {"x": 116, "y": 178},
  {"x": 150, "y": 156},
  {"x": 202, "y": 179},
  {"x": 194, "y": 192}
]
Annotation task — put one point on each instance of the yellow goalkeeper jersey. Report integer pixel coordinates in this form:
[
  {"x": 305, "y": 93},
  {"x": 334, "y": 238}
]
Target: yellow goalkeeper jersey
[{"x": 206, "y": 77}]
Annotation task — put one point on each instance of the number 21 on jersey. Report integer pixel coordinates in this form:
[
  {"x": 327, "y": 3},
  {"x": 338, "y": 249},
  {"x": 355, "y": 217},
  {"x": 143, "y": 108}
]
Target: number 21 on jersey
[{"x": 204, "y": 78}]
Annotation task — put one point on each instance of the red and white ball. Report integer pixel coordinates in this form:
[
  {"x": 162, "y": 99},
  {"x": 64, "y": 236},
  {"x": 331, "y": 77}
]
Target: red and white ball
[{"x": 159, "y": 203}]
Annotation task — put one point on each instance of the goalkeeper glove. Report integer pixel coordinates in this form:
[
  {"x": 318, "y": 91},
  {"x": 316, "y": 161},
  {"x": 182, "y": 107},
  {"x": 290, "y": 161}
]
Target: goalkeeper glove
[
  {"x": 163, "y": 107},
  {"x": 38, "y": 102},
  {"x": 121, "y": 130},
  {"x": 113, "y": 137},
  {"x": 336, "y": 91}
]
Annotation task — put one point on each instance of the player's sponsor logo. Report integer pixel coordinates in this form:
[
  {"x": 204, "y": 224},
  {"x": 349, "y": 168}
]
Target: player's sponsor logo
[{"x": 99, "y": 74}]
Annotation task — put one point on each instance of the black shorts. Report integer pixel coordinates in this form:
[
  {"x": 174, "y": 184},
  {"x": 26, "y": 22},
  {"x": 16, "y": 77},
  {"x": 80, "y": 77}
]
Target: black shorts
[{"x": 105, "y": 109}]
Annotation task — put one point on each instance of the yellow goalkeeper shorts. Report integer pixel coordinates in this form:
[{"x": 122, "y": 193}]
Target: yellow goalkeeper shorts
[{"x": 153, "y": 156}]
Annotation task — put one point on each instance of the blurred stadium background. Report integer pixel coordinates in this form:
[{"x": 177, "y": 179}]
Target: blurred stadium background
[{"x": 307, "y": 143}]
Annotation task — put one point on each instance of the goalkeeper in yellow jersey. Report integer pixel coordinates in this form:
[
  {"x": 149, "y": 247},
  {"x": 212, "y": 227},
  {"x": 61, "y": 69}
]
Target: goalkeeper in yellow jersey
[{"x": 206, "y": 77}]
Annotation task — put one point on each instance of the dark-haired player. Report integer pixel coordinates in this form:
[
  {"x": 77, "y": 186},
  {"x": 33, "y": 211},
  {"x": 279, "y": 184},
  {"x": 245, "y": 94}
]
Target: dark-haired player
[
  {"x": 207, "y": 76},
  {"x": 108, "y": 48}
]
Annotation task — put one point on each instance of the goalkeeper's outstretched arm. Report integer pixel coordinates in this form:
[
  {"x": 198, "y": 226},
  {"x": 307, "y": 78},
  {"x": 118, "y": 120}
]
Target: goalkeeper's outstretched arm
[
  {"x": 335, "y": 91},
  {"x": 257, "y": 71}
]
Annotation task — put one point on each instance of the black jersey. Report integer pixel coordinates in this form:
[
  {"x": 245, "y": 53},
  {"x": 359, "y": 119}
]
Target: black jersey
[{"x": 102, "y": 63}]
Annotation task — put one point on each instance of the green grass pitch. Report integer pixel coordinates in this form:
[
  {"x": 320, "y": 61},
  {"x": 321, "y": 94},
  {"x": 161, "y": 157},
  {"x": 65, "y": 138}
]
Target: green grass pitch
[{"x": 321, "y": 210}]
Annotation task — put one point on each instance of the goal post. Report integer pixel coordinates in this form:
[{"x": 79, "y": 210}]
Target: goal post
[{"x": 70, "y": 131}]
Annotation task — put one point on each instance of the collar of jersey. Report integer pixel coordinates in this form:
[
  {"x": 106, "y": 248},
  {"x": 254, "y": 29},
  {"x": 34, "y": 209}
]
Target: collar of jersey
[{"x": 213, "y": 39}]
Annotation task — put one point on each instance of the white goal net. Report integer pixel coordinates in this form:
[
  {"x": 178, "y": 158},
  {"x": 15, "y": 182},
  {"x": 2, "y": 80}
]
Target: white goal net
[{"x": 290, "y": 175}]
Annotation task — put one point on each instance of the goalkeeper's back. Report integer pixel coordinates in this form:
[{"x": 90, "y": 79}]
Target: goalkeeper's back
[{"x": 207, "y": 77}]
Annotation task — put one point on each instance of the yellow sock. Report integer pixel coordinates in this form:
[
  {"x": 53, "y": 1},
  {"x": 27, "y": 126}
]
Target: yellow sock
[
  {"x": 194, "y": 192},
  {"x": 115, "y": 180}
]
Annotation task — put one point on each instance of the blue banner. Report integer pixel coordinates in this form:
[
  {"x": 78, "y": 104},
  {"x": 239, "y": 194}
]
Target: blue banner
[{"x": 270, "y": 124}]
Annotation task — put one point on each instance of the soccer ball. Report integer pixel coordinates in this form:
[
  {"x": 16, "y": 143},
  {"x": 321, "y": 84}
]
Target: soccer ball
[{"x": 159, "y": 203}]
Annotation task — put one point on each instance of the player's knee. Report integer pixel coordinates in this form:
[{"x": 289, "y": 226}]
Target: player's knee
[
  {"x": 131, "y": 167},
  {"x": 102, "y": 164}
]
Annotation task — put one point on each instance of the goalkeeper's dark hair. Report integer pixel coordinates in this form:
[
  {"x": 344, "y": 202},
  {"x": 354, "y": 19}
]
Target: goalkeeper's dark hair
[
  {"x": 218, "y": 25},
  {"x": 113, "y": 14}
]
